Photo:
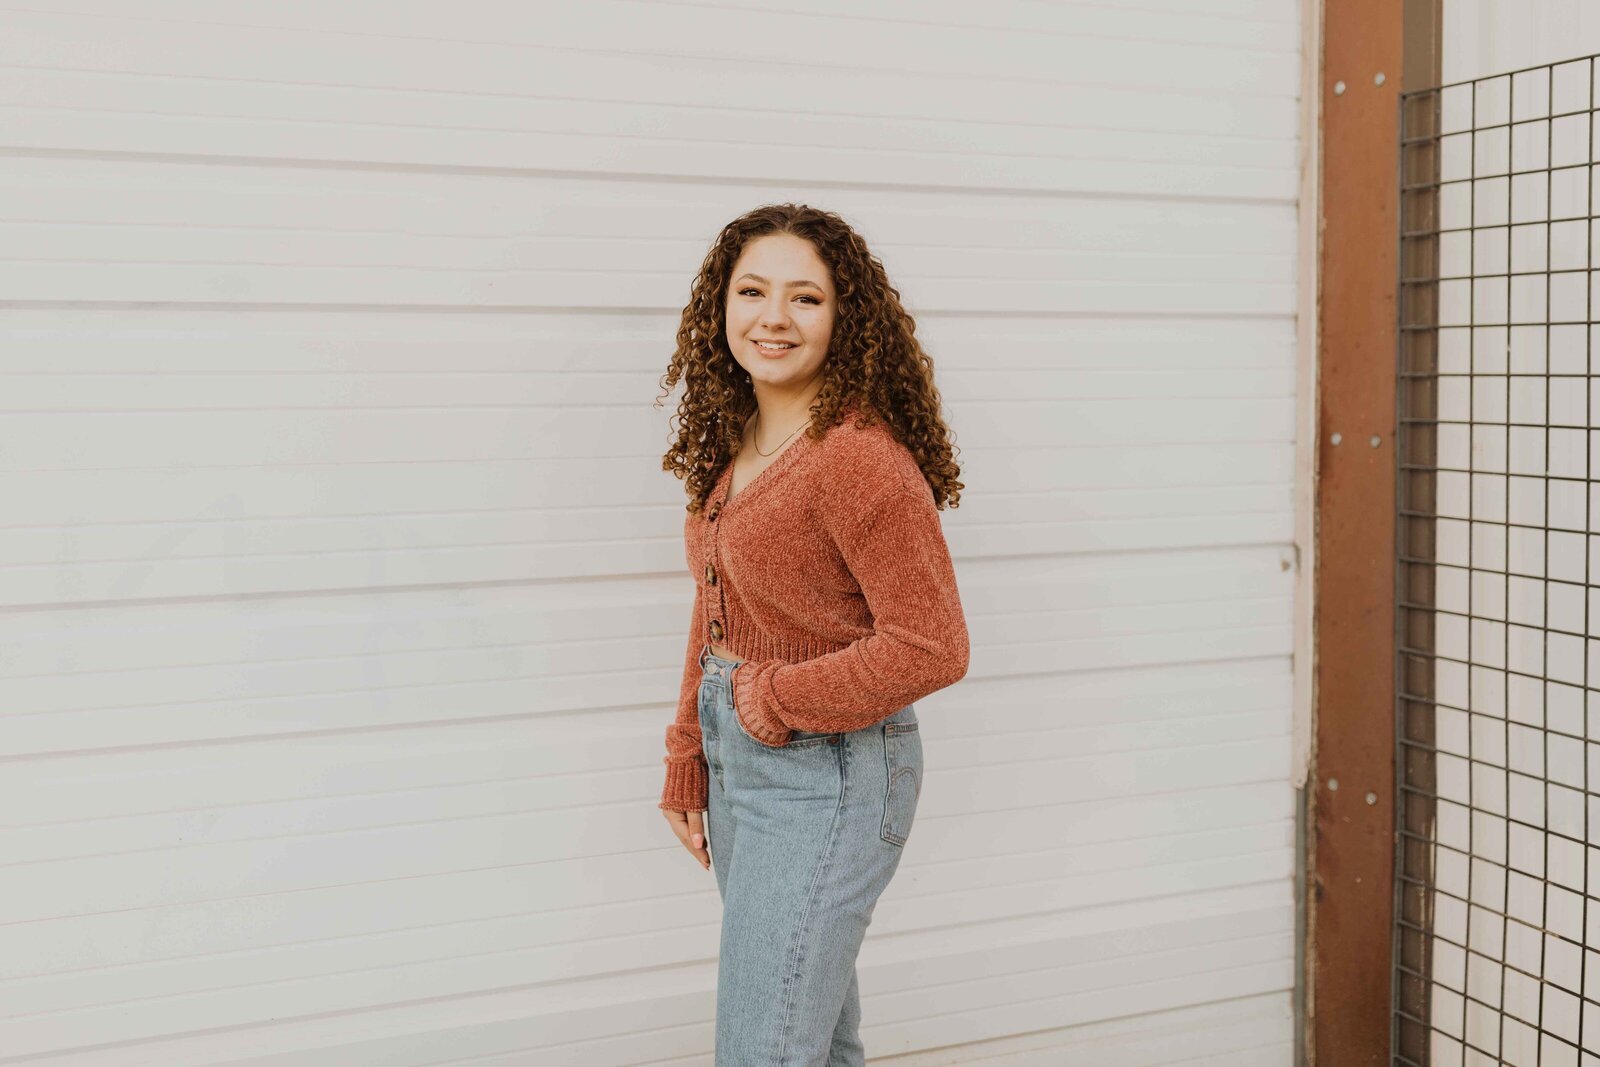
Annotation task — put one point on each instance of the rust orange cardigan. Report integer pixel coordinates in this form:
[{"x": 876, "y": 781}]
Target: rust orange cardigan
[{"x": 828, "y": 575}]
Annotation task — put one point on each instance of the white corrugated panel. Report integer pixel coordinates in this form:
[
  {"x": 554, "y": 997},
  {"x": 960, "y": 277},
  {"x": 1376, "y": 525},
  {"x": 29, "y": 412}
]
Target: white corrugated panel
[
  {"x": 1482, "y": 38},
  {"x": 341, "y": 591}
]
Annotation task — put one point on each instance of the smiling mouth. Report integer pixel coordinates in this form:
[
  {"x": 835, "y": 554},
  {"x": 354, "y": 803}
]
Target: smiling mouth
[{"x": 775, "y": 347}]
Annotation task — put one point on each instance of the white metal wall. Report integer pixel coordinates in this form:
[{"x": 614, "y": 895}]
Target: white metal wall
[
  {"x": 341, "y": 599},
  {"x": 1486, "y": 37}
]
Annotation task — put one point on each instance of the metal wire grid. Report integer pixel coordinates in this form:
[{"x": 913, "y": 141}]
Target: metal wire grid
[{"x": 1493, "y": 635}]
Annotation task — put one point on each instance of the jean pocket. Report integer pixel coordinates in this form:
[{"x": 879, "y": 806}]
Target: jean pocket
[
  {"x": 797, "y": 738},
  {"x": 726, "y": 696},
  {"x": 808, "y": 738},
  {"x": 902, "y": 758}
]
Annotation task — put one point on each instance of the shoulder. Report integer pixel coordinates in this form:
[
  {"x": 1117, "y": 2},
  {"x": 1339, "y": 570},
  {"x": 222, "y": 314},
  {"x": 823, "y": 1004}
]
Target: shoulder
[
  {"x": 859, "y": 468},
  {"x": 870, "y": 458}
]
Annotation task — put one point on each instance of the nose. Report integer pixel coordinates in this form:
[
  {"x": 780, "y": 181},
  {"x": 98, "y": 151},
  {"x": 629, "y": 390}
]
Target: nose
[{"x": 775, "y": 314}]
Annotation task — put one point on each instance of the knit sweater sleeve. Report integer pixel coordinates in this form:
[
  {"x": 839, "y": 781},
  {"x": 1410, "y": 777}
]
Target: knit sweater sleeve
[
  {"x": 898, "y": 556},
  {"x": 687, "y": 781}
]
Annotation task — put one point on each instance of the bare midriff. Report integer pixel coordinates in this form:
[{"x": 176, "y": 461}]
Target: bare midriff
[{"x": 718, "y": 650}]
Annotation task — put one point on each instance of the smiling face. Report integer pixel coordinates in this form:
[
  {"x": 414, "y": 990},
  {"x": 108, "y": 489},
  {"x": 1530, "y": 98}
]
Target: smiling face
[{"x": 780, "y": 291}]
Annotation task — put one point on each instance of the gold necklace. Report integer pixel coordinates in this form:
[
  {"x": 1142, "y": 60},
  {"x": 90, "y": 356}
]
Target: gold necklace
[{"x": 757, "y": 428}]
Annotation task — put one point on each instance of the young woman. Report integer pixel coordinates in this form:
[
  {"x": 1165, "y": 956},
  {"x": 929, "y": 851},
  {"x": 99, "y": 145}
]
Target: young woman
[{"x": 825, "y": 605}]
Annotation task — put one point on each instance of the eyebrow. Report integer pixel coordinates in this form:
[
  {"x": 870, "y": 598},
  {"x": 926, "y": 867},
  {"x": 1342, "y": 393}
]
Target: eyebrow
[{"x": 763, "y": 281}]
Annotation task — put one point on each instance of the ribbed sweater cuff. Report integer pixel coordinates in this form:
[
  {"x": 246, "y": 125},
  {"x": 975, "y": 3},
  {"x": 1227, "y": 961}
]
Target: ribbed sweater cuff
[
  {"x": 757, "y": 717},
  {"x": 687, "y": 784}
]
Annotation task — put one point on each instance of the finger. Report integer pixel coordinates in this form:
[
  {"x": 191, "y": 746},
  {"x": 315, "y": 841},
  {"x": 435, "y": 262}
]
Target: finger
[
  {"x": 680, "y": 826},
  {"x": 690, "y": 830},
  {"x": 699, "y": 843}
]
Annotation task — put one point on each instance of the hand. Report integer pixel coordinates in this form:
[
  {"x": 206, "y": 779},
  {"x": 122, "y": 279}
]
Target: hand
[{"x": 690, "y": 828}]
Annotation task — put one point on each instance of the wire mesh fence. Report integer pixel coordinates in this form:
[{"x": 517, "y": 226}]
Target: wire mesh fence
[{"x": 1494, "y": 924}]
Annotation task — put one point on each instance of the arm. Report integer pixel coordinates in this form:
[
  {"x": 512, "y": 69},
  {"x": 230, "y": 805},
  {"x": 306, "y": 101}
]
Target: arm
[
  {"x": 686, "y": 783},
  {"x": 897, "y": 553}
]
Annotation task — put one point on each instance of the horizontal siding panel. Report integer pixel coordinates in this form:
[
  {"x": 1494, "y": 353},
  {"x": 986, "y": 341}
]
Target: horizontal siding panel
[
  {"x": 1256, "y": 507},
  {"x": 661, "y": 224},
  {"x": 1246, "y": 17},
  {"x": 1253, "y": 1031},
  {"x": 341, "y": 973},
  {"x": 214, "y": 553},
  {"x": 477, "y": 962},
  {"x": 273, "y": 437},
  {"x": 418, "y": 690},
  {"x": 295, "y": 647},
  {"x": 529, "y": 907},
  {"x": 534, "y": 391},
  {"x": 583, "y": 344},
  {"x": 1084, "y": 995},
  {"x": 1223, "y": 643},
  {"x": 510, "y": 794},
  {"x": 499, "y": 104},
  {"x": 41, "y": 129},
  {"x": 221, "y": 549},
  {"x": 627, "y": 1011},
  {"x": 680, "y": 52},
  {"x": 1104, "y": 711},
  {"x": 915, "y": 27},
  {"x": 507, "y": 288},
  {"x": 450, "y": 262},
  {"x": 177, "y": 493},
  {"x": 632, "y": 130}
]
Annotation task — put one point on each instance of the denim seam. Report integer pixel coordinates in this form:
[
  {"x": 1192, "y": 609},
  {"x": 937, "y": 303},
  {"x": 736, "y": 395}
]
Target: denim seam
[{"x": 791, "y": 978}]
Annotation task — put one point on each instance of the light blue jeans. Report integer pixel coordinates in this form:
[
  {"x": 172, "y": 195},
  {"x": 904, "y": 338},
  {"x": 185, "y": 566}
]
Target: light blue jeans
[{"x": 803, "y": 838}]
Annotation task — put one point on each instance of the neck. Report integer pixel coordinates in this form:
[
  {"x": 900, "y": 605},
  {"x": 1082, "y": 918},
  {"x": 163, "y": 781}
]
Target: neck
[{"x": 781, "y": 412}]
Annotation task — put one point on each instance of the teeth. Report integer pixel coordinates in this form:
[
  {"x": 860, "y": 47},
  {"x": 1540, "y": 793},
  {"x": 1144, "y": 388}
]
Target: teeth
[{"x": 764, "y": 344}]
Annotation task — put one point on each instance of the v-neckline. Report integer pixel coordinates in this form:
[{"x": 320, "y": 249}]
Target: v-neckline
[{"x": 785, "y": 457}]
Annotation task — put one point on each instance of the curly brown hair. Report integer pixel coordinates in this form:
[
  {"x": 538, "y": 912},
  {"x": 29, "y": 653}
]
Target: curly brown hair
[{"x": 874, "y": 358}]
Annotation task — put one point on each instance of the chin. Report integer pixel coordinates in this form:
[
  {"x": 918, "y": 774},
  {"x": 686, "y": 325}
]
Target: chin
[{"x": 783, "y": 377}]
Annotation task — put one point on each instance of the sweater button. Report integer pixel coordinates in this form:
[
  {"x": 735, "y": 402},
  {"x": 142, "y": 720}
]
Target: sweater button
[
  {"x": 711, "y": 575},
  {"x": 711, "y": 516},
  {"x": 716, "y": 630}
]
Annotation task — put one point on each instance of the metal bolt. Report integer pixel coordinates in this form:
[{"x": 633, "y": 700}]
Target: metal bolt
[
  {"x": 1373, "y": 440},
  {"x": 1336, "y": 438},
  {"x": 1372, "y": 798},
  {"x": 1338, "y": 88},
  {"x": 1333, "y": 785},
  {"x": 1377, "y": 79}
]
